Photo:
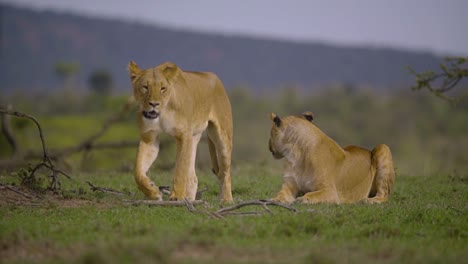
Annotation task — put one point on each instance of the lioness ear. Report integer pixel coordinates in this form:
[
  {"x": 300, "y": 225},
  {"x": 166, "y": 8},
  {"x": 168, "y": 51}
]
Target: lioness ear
[
  {"x": 170, "y": 71},
  {"x": 308, "y": 115},
  {"x": 275, "y": 119},
  {"x": 134, "y": 70}
]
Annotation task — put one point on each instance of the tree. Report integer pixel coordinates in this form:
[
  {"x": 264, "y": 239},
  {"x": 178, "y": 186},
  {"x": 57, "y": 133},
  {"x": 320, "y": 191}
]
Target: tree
[
  {"x": 66, "y": 71},
  {"x": 441, "y": 83},
  {"x": 101, "y": 82}
]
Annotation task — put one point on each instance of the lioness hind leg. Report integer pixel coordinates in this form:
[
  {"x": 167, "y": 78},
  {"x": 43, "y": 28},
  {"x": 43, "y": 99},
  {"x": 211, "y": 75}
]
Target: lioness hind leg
[
  {"x": 214, "y": 157},
  {"x": 222, "y": 141},
  {"x": 384, "y": 176}
]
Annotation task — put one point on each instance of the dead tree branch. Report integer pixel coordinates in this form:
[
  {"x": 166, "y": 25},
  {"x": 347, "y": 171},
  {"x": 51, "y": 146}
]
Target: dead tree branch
[
  {"x": 221, "y": 213},
  {"x": 89, "y": 142},
  {"x": 6, "y": 131},
  {"x": 106, "y": 190},
  {"x": 60, "y": 154},
  {"x": 46, "y": 161},
  {"x": 15, "y": 190},
  {"x": 162, "y": 203},
  {"x": 264, "y": 203}
]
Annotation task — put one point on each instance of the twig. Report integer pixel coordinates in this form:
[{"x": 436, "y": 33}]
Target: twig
[
  {"x": 46, "y": 160},
  {"x": 189, "y": 205},
  {"x": 41, "y": 135},
  {"x": 59, "y": 154},
  {"x": 263, "y": 203},
  {"x": 106, "y": 190},
  {"x": 165, "y": 189},
  {"x": 11, "y": 188},
  {"x": 199, "y": 194},
  {"x": 88, "y": 143},
  {"x": 245, "y": 213},
  {"x": 6, "y": 131},
  {"x": 162, "y": 203}
]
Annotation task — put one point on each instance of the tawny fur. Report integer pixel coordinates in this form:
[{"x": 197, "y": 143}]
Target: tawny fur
[
  {"x": 322, "y": 171},
  {"x": 182, "y": 104}
]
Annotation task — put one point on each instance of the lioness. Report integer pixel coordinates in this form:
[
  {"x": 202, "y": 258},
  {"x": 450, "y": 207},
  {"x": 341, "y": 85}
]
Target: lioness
[
  {"x": 182, "y": 104},
  {"x": 319, "y": 168}
]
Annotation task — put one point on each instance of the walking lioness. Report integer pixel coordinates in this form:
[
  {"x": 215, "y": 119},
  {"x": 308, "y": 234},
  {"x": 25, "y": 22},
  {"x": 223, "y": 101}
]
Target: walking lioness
[
  {"x": 322, "y": 171},
  {"x": 182, "y": 104}
]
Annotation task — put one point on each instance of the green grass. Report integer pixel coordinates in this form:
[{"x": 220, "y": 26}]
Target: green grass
[{"x": 425, "y": 221}]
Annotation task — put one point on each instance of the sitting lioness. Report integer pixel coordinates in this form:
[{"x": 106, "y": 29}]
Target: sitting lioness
[
  {"x": 182, "y": 104},
  {"x": 322, "y": 171}
]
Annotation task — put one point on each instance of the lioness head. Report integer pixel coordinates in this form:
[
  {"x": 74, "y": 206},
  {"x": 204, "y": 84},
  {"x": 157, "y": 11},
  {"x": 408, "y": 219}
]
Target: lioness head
[
  {"x": 278, "y": 142},
  {"x": 152, "y": 87}
]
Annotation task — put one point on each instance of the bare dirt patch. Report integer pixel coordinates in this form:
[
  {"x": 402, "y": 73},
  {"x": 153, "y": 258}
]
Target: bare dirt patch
[{"x": 19, "y": 196}]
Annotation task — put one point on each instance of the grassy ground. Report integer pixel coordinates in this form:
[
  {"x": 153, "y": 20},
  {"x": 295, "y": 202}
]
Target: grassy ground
[{"x": 424, "y": 222}]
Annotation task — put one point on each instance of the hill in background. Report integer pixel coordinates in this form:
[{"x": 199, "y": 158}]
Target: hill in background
[{"x": 32, "y": 42}]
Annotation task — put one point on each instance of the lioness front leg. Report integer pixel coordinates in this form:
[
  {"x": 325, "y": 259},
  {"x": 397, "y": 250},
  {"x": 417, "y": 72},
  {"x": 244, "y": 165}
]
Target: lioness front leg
[
  {"x": 288, "y": 191},
  {"x": 182, "y": 167},
  {"x": 192, "y": 181},
  {"x": 147, "y": 153},
  {"x": 320, "y": 196}
]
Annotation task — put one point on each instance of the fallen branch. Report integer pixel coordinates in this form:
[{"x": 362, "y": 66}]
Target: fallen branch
[
  {"x": 264, "y": 203},
  {"x": 162, "y": 203},
  {"x": 106, "y": 190},
  {"x": 15, "y": 190},
  {"x": 189, "y": 205},
  {"x": 199, "y": 194}
]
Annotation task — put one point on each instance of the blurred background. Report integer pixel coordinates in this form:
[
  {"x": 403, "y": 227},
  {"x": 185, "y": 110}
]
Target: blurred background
[{"x": 65, "y": 63}]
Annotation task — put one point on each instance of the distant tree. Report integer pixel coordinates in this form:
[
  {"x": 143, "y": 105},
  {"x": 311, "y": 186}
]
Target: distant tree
[
  {"x": 100, "y": 82},
  {"x": 452, "y": 72},
  {"x": 66, "y": 71}
]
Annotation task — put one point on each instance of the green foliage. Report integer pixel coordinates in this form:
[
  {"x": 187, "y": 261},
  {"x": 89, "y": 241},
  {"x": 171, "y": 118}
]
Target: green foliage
[
  {"x": 451, "y": 74},
  {"x": 100, "y": 82},
  {"x": 426, "y": 135},
  {"x": 65, "y": 69},
  {"x": 424, "y": 222}
]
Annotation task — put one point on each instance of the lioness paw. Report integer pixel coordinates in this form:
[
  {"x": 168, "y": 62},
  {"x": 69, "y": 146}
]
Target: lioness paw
[
  {"x": 227, "y": 201},
  {"x": 280, "y": 199},
  {"x": 303, "y": 200},
  {"x": 175, "y": 197}
]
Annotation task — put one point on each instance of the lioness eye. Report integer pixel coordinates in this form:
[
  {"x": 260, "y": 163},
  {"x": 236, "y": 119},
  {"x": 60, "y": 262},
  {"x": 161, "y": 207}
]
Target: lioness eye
[
  {"x": 163, "y": 89},
  {"x": 144, "y": 89}
]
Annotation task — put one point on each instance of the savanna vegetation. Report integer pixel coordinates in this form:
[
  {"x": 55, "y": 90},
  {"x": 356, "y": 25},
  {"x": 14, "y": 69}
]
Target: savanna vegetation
[
  {"x": 424, "y": 221},
  {"x": 427, "y": 135}
]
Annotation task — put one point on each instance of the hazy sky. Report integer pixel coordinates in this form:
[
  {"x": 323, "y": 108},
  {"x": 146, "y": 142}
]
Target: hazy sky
[{"x": 439, "y": 26}]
